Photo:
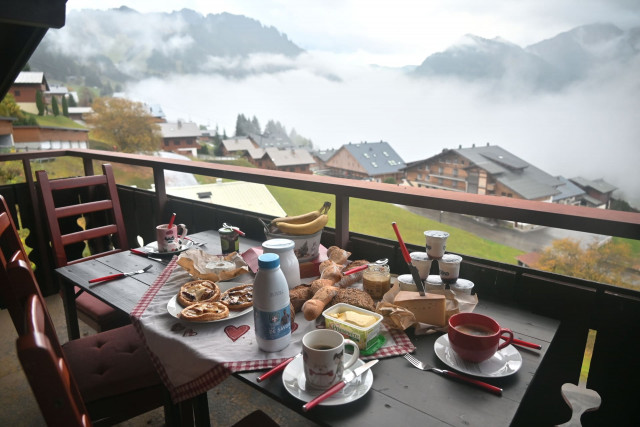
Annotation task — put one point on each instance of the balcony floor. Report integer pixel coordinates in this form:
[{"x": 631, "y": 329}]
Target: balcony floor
[{"x": 228, "y": 402}]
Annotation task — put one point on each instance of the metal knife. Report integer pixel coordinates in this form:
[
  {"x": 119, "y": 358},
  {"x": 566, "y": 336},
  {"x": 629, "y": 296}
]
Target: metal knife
[
  {"x": 119, "y": 275},
  {"x": 348, "y": 377},
  {"x": 412, "y": 268}
]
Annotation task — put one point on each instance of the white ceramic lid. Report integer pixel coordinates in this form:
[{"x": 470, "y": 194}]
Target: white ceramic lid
[
  {"x": 463, "y": 284},
  {"x": 278, "y": 245}
]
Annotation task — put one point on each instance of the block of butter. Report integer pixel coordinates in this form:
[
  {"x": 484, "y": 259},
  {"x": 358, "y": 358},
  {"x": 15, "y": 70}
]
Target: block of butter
[
  {"x": 359, "y": 319},
  {"x": 430, "y": 308}
]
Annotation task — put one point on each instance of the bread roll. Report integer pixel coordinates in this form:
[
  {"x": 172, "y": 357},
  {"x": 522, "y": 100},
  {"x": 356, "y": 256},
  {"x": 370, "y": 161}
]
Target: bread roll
[
  {"x": 299, "y": 295},
  {"x": 313, "y": 308}
]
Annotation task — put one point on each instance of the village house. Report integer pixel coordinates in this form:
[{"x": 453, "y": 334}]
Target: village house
[
  {"x": 322, "y": 157},
  {"x": 598, "y": 192},
  {"x": 487, "y": 170},
  {"x": 367, "y": 160},
  {"x": 180, "y": 137},
  {"x": 238, "y": 146},
  {"x": 25, "y": 87},
  {"x": 283, "y": 159},
  {"x": 27, "y": 138},
  {"x": 6, "y": 133}
]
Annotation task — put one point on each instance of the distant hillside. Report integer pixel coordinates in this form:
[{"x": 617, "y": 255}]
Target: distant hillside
[
  {"x": 548, "y": 65},
  {"x": 122, "y": 44}
]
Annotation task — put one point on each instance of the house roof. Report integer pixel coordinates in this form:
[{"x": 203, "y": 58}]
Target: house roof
[
  {"x": 58, "y": 90},
  {"x": 80, "y": 110},
  {"x": 567, "y": 189},
  {"x": 265, "y": 141},
  {"x": 179, "y": 130},
  {"x": 238, "y": 144},
  {"x": 235, "y": 194},
  {"x": 377, "y": 158},
  {"x": 155, "y": 110},
  {"x": 529, "y": 259},
  {"x": 600, "y": 185},
  {"x": 511, "y": 171},
  {"x": 325, "y": 155},
  {"x": 289, "y": 156},
  {"x": 256, "y": 153},
  {"x": 31, "y": 77}
]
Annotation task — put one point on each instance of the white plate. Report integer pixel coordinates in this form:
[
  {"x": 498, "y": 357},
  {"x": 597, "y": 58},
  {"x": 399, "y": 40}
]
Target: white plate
[
  {"x": 294, "y": 381},
  {"x": 504, "y": 363},
  {"x": 152, "y": 248},
  {"x": 174, "y": 308}
]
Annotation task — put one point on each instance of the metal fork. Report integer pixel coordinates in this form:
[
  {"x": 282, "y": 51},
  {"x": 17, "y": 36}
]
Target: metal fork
[{"x": 424, "y": 367}]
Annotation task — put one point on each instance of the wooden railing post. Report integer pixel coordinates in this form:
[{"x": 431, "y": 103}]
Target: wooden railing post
[
  {"x": 161, "y": 190},
  {"x": 342, "y": 220}
]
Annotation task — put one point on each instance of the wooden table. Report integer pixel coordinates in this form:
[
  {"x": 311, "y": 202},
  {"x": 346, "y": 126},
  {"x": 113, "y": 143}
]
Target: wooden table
[
  {"x": 400, "y": 395},
  {"x": 124, "y": 293}
]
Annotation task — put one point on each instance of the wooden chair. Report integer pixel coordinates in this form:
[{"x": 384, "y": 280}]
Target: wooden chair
[
  {"x": 95, "y": 199},
  {"x": 110, "y": 372}
]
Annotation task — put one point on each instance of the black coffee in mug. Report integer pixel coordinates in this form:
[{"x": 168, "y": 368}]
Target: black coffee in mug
[{"x": 477, "y": 330}]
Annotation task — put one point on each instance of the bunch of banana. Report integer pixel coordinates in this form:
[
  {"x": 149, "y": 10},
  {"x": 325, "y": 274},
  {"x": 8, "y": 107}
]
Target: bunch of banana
[{"x": 308, "y": 223}]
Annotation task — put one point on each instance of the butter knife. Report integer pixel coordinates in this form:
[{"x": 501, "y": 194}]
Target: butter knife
[
  {"x": 277, "y": 368},
  {"x": 348, "y": 377},
  {"x": 412, "y": 268}
]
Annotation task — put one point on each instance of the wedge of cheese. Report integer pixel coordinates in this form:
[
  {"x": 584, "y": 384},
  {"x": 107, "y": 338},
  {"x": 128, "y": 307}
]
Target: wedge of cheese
[{"x": 429, "y": 308}]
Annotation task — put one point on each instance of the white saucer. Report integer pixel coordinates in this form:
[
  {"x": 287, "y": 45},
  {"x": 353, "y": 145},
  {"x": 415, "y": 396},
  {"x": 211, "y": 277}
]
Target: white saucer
[
  {"x": 174, "y": 308},
  {"x": 504, "y": 363},
  {"x": 294, "y": 381},
  {"x": 152, "y": 248}
]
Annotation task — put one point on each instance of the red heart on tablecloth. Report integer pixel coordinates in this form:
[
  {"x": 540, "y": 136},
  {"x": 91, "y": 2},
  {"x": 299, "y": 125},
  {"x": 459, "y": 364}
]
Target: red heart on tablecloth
[
  {"x": 294, "y": 327},
  {"x": 189, "y": 333},
  {"x": 236, "y": 332}
]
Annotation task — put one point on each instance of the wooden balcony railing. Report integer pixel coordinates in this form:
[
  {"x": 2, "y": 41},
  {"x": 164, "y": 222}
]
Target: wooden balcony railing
[{"x": 580, "y": 305}]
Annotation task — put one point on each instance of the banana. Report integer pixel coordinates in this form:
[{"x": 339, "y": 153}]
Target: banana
[
  {"x": 304, "y": 218},
  {"x": 304, "y": 229}
]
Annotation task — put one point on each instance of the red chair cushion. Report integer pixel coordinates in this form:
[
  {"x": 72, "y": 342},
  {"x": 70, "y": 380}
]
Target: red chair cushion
[
  {"x": 100, "y": 312},
  {"x": 110, "y": 363}
]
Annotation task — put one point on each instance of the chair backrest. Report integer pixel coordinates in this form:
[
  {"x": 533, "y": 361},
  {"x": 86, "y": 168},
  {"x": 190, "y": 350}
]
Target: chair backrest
[
  {"x": 95, "y": 198},
  {"x": 47, "y": 371},
  {"x": 14, "y": 293}
]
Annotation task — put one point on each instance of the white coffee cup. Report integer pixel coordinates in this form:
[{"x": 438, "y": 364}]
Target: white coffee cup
[
  {"x": 436, "y": 243},
  {"x": 422, "y": 262},
  {"x": 323, "y": 357},
  {"x": 168, "y": 238}
]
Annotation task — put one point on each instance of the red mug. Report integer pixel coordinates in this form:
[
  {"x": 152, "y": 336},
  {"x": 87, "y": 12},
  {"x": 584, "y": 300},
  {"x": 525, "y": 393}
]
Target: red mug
[{"x": 476, "y": 337}]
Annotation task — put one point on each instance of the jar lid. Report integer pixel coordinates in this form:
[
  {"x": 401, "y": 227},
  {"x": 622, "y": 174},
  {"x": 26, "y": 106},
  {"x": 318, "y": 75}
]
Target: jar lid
[
  {"x": 434, "y": 279},
  {"x": 278, "y": 245},
  {"x": 269, "y": 260},
  {"x": 450, "y": 258},
  {"x": 405, "y": 278},
  {"x": 436, "y": 233},
  {"x": 463, "y": 284}
]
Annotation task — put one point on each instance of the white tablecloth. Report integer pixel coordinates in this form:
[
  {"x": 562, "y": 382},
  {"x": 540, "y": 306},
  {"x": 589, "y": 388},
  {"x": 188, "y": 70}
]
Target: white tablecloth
[{"x": 191, "y": 357}]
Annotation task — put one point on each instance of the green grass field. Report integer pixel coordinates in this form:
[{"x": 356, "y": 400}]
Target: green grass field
[
  {"x": 375, "y": 218},
  {"x": 58, "y": 121}
]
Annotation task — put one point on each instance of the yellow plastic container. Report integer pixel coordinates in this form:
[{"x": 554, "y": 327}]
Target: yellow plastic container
[{"x": 364, "y": 337}]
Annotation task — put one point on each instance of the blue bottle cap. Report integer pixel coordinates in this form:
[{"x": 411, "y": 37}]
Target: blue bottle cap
[{"x": 269, "y": 260}]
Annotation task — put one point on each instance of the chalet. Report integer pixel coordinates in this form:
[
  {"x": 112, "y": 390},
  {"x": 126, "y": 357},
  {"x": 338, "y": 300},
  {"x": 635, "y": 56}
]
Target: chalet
[
  {"x": 6, "y": 133},
  {"x": 180, "y": 137},
  {"x": 267, "y": 141},
  {"x": 155, "y": 110},
  {"x": 368, "y": 160},
  {"x": 239, "y": 146},
  {"x": 570, "y": 194},
  {"x": 282, "y": 159},
  {"x": 322, "y": 157},
  {"x": 487, "y": 170},
  {"x": 598, "y": 192},
  {"x": 25, "y": 87},
  {"x": 58, "y": 92},
  {"x": 78, "y": 113},
  {"x": 28, "y": 138}
]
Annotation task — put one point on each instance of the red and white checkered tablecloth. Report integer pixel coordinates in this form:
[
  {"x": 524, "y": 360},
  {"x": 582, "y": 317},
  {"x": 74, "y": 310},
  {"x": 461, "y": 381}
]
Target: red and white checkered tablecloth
[{"x": 192, "y": 358}]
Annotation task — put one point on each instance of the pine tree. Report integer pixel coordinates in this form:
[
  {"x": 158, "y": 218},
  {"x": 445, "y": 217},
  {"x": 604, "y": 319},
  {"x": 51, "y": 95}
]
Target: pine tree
[
  {"x": 72, "y": 101},
  {"x": 40, "y": 103},
  {"x": 65, "y": 107},
  {"x": 54, "y": 106}
]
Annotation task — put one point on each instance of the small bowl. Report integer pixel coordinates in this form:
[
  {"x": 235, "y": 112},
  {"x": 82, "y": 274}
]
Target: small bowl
[{"x": 307, "y": 247}]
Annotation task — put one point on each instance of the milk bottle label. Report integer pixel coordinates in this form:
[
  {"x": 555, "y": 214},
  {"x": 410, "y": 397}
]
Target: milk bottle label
[{"x": 271, "y": 325}]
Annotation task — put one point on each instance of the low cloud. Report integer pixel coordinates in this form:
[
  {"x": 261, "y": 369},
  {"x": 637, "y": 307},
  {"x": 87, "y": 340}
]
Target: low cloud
[{"x": 590, "y": 129}]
